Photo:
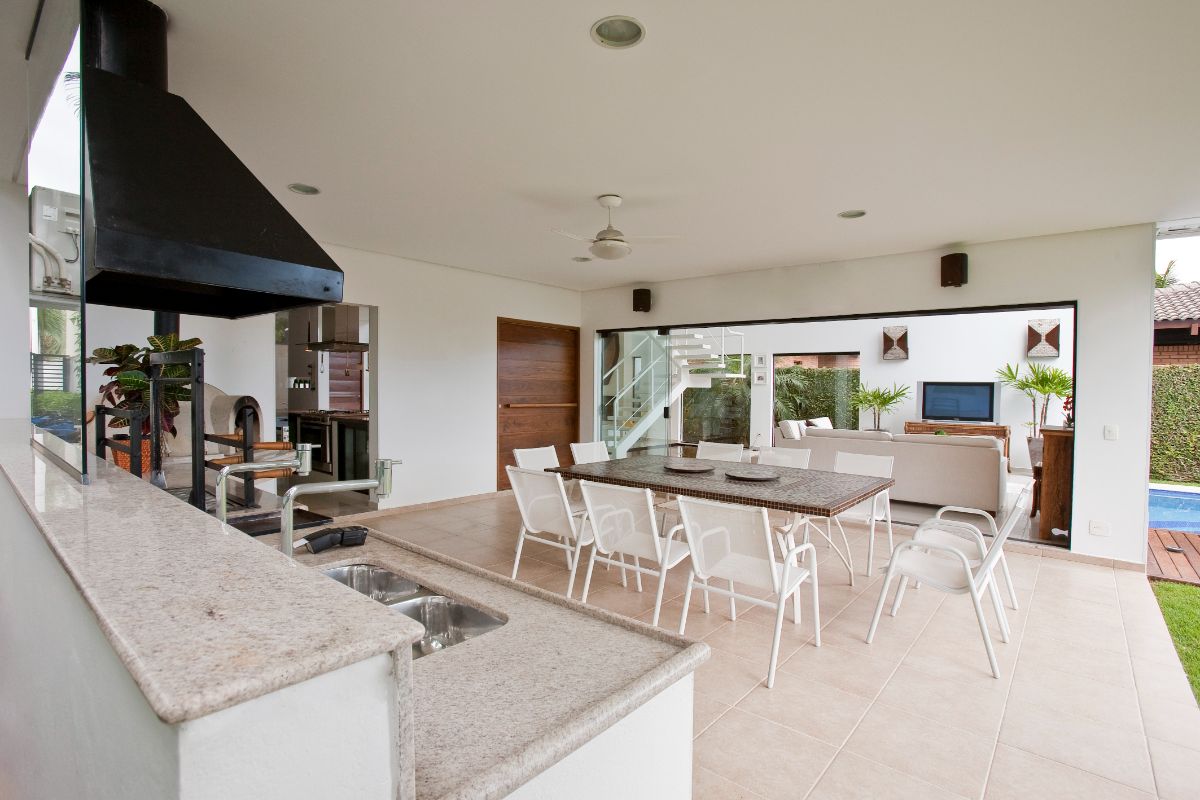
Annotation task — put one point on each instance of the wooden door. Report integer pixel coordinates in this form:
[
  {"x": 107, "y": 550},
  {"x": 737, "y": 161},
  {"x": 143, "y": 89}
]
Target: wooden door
[
  {"x": 346, "y": 381},
  {"x": 537, "y": 390}
]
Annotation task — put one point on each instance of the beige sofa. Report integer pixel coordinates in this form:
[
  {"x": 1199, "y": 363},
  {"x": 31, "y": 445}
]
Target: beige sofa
[{"x": 936, "y": 470}]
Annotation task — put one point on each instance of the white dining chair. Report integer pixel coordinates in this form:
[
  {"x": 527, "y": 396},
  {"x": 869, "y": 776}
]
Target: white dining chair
[
  {"x": 544, "y": 458},
  {"x": 733, "y": 543},
  {"x": 952, "y": 557},
  {"x": 623, "y": 523},
  {"x": 545, "y": 511},
  {"x": 786, "y": 526},
  {"x": 719, "y": 451},
  {"x": 589, "y": 452},
  {"x": 878, "y": 507}
]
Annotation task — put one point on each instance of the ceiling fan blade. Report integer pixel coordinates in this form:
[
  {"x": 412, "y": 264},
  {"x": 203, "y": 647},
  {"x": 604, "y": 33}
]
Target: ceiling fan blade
[
  {"x": 574, "y": 236},
  {"x": 649, "y": 236}
]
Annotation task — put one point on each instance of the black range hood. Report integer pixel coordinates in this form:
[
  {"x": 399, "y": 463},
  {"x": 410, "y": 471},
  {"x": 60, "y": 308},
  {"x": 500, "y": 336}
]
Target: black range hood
[{"x": 173, "y": 220}]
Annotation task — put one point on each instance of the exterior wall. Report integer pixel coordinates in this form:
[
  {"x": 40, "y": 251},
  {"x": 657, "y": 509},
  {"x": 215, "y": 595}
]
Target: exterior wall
[
  {"x": 1105, "y": 271},
  {"x": 1172, "y": 354},
  {"x": 14, "y": 299},
  {"x": 434, "y": 366}
]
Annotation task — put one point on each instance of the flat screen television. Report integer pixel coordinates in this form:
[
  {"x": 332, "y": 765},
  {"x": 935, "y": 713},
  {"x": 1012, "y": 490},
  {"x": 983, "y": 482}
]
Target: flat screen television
[{"x": 960, "y": 402}]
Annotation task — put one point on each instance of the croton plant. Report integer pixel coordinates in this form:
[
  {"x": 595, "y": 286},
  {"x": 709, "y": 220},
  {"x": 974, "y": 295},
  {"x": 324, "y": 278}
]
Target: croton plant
[{"x": 129, "y": 384}]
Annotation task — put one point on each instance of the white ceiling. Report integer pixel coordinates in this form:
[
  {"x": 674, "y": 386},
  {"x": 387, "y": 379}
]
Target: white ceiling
[{"x": 461, "y": 133}]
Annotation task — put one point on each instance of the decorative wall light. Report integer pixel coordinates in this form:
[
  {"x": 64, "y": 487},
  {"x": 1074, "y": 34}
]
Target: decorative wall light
[
  {"x": 1043, "y": 337},
  {"x": 895, "y": 343}
]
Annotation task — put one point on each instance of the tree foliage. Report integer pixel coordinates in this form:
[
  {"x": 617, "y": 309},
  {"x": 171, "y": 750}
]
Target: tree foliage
[
  {"x": 1175, "y": 424},
  {"x": 808, "y": 392}
]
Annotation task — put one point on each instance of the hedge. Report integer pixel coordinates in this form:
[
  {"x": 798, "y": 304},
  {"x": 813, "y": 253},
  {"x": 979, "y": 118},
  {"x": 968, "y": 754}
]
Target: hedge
[
  {"x": 1175, "y": 424},
  {"x": 68, "y": 404},
  {"x": 825, "y": 392}
]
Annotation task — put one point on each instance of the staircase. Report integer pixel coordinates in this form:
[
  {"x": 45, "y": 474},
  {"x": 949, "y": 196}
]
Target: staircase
[{"x": 652, "y": 374}]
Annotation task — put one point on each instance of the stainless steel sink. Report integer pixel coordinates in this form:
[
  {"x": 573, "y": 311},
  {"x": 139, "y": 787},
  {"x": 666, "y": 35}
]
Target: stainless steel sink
[
  {"x": 447, "y": 622},
  {"x": 375, "y": 582}
]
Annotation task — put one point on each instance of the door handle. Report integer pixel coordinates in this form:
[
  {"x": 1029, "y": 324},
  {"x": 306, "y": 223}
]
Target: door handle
[{"x": 540, "y": 405}]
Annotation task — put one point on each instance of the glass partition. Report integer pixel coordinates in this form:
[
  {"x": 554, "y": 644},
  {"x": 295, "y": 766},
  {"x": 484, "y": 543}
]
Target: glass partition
[{"x": 53, "y": 178}]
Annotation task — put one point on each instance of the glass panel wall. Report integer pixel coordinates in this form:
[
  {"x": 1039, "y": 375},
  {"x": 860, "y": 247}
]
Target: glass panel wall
[
  {"x": 56, "y": 247},
  {"x": 635, "y": 385},
  {"x": 719, "y": 412}
]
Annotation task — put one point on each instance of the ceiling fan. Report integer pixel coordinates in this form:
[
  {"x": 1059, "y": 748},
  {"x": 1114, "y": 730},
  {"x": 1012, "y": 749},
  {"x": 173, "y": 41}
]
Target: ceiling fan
[{"x": 610, "y": 243}]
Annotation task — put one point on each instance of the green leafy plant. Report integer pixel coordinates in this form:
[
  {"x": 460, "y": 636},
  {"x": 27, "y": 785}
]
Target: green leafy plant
[
  {"x": 1167, "y": 277},
  {"x": 807, "y": 392},
  {"x": 130, "y": 385},
  {"x": 1039, "y": 383},
  {"x": 1174, "y": 424},
  {"x": 878, "y": 400},
  {"x": 722, "y": 411}
]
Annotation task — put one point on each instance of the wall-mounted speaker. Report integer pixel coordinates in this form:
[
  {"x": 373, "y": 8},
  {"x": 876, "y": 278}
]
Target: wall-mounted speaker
[
  {"x": 954, "y": 269},
  {"x": 641, "y": 299}
]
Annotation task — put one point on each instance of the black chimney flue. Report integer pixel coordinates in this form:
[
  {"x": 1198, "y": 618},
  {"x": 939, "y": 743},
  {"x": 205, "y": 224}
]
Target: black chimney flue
[{"x": 127, "y": 38}]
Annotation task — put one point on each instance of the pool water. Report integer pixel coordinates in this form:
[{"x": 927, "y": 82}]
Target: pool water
[{"x": 1174, "y": 510}]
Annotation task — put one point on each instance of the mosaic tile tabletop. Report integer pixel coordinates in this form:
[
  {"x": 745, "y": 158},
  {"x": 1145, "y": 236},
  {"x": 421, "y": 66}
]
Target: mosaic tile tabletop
[{"x": 806, "y": 491}]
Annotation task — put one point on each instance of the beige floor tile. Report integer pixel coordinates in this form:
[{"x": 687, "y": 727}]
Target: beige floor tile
[
  {"x": 851, "y": 669},
  {"x": 727, "y": 679},
  {"x": 1018, "y": 775},
  {"x": 951, "y": 758},
  {"x": 1114, "y": 753},
  {"x": 753, "y": 640},
  {"x": 851, "y": 777},
  {"x": 629, "y": 602},
  {"x": 1151, "y": 645},
  {"x": 975, "y": 705},
  {"x": 1084, "y": 697},
  {"x": 1162, "y": 680},
  {"x": 1062, "y": 651},
  {"x": 766, "y": 758},
  {"x": 705, "y": 712},
  {"x": 958, "y": 654},
  {"x": 1176, "y": 770},
  {"x": 708, "y": 785},
  {"x": 699, "y": 624},
  {"x": 1178, "y": 723},
  {"x": 807, "y": 706}
]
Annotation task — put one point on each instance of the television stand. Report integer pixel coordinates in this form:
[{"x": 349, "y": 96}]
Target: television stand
[{"x": 1000, "y": 432}]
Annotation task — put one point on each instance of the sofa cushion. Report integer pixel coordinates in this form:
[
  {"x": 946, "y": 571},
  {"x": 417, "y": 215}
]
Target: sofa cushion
[
  {"x": 839, "y": 433},
  {"x": 791, "y": 429},
  {"x": 819, "y": 422},
  {"x": 961, "y": 441}
]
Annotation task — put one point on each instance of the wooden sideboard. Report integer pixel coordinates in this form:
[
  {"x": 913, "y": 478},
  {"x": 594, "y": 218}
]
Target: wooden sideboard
[
  {"x": 1054, "y": 480},
  {"x": 1000, "y": 432}
]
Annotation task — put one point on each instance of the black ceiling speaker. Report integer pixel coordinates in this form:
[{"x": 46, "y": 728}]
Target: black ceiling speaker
[
  {"x": 954, "y": 269},
  {"x": 641, "y": 299}
]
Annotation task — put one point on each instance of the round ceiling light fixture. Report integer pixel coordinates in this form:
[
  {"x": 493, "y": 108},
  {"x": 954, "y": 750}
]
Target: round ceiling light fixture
[
  {"x": 610, "y": 249},
  {"x": 617, "y": 32},
  {"x": 853, "y": 213},
  {"x": 304, "y": 189}
]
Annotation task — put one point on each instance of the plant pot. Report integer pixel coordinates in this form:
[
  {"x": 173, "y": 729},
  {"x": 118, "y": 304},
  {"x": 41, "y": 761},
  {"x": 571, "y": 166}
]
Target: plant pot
[{"x": 122, "y": 460}]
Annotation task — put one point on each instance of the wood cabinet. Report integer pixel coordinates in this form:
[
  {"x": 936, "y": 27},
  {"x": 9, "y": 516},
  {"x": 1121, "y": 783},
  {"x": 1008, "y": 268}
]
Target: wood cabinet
[
  {"x": 1055, "y": 480},
  {"x": 1000, "y": 432}
]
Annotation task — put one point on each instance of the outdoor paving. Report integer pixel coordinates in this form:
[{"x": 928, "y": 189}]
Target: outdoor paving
[{"x": 1183, "y": 566}]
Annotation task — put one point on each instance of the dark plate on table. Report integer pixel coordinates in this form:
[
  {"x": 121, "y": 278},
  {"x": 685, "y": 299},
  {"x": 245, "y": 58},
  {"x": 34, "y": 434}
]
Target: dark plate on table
[
  {"x": 687, "y": 466},
  {"x": 749, "y": 474}
]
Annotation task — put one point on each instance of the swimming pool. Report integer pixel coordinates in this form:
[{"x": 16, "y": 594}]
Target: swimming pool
[{"x": 1175, "y": 510}]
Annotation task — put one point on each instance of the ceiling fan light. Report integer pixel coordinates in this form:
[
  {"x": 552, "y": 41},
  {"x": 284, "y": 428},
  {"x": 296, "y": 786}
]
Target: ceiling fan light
[{"x": 610, "y": 249}]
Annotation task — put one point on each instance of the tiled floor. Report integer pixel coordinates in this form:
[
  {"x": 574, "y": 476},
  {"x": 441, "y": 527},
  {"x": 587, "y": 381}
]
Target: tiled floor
[{"x": 1092, "y": 703}]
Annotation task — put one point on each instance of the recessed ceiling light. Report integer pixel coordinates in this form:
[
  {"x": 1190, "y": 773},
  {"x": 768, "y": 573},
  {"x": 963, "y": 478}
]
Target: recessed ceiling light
[
  {"x": 581, "y": 259},
  {"x": 618, "y": 32},
  {"x": 853, "y": 213},
  {"x": 303, "y": 188}
]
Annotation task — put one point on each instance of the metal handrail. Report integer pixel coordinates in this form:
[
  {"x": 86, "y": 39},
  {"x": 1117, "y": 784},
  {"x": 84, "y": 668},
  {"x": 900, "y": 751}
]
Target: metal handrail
[
  {"x": 632, "y": 383},
  {"x": 645, "y": 338}
]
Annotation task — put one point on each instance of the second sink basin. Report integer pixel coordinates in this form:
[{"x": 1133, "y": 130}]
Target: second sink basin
[{"x": 447, "y": 621}]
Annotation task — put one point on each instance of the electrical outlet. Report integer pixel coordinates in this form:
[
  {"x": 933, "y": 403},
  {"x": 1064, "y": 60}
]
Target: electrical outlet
[
  {"x": 1112, "y": 432},
  {"x": 1098, "y": 528}
]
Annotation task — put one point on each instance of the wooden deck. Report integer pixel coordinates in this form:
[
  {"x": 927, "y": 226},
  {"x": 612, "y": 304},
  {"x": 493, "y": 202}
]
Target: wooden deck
[{"x": 1161, "y": 563}]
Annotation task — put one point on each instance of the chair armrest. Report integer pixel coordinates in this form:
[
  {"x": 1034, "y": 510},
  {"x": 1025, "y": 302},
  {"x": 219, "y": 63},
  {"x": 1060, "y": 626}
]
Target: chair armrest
[
  {"x": 676, "y": 529},
  {"x": 976, "y": 511},
  {"x": 934, "y": 546}
]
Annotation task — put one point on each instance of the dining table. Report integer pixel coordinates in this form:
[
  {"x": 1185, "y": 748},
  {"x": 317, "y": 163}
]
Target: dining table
[{"x": 805, "y": 493}]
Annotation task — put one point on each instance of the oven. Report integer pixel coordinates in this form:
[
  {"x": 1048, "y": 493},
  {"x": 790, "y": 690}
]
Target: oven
[{"x": 316, "y": 430}]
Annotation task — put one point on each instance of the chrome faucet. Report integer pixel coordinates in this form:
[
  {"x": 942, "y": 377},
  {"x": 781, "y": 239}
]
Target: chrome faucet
[
  {"x": 302, "y": 463},
  {"x": 382, "y": 483}
]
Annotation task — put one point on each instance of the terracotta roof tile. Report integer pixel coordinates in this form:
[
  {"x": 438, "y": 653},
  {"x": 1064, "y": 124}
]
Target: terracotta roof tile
[{"x": 1178, "y": 302}]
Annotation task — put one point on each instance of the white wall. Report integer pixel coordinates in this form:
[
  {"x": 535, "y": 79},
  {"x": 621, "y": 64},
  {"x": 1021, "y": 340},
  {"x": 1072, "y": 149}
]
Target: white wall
[
  {"x": 958, "y": 347},
  {"x": 14, "y": 299},
  {"x": 1106, "y": 271},
  {"x": 434, "y": 366}
]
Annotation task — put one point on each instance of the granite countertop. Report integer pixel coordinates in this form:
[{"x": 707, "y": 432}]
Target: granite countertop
[
  {"x": 202, "y": 616},
  {"x": 495, "y": 711}
]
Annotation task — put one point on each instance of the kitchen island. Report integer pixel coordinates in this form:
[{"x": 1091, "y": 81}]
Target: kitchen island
[{"x": 152, "y": 652}]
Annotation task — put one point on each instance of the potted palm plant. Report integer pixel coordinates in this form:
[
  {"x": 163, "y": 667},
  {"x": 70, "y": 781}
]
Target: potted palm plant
[
  {"x": 129, "y": 387},
  {"x": 878, "y": 400},
  {"x": 1039, "y": 383}
]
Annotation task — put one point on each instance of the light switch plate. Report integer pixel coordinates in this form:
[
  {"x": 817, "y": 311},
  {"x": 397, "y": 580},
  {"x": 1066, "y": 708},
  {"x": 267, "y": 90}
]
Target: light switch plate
[
  {"x": 1112, "y": 432},
  {"x": 1098, "y": 528}
]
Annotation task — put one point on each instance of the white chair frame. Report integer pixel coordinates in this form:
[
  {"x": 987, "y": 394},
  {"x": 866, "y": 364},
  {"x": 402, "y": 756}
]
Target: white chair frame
[
  {"x": 668, "y": 556},
  {"x": 571, "y": 542},
  {"x": 544, "y": 458},
  {"x": 589, "y": 452},
  {"x": 719, "y": 451},
  {"x": 782, "y": 576}
]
